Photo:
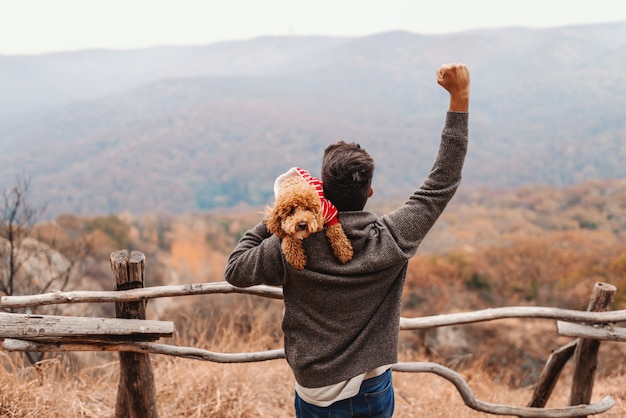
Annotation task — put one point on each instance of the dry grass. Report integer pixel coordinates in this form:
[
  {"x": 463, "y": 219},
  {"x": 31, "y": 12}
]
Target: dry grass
[
  {"x": 224, "y": 390},
  {"x": 188, "y": 388},
  {"x": 52, "y": 390},
  {"x": 86, "y": 385}
]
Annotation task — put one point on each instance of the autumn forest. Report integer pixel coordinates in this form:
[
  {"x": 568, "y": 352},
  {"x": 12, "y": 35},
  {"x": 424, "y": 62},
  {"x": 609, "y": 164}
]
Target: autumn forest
[{"x": 540, "y": 246}]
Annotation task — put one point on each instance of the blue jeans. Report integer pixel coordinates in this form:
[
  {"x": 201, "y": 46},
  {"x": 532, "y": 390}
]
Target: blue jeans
[{"x": 374, "y": 400}]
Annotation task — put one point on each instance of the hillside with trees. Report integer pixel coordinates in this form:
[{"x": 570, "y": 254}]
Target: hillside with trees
[
  {"x": 192, "y": 129},
  {"x": 538, "y": 245}
]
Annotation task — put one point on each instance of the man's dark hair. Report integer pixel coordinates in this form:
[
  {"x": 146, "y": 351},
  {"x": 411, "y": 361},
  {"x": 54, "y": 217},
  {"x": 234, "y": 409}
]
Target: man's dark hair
[{"x": 347, "y": 171}]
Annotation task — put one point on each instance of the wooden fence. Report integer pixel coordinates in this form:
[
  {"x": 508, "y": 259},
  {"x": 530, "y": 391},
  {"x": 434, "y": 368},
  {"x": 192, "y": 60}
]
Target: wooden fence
[{"x": 134, "y": 338}]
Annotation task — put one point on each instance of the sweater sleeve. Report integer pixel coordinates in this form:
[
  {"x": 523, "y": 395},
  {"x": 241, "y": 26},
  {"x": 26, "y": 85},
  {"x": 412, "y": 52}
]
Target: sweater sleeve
[
  {"x": 256, "y": 259},
  {"x": 410, "y": 223}
]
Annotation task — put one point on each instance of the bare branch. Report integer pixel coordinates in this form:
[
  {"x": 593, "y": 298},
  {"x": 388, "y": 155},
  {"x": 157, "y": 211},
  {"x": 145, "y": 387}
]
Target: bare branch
[
  {"x": 136, "y": 294},
  {"x": 512, "y": 312},
  {"x": 497, "y": 409},
  {"x": 146, "y": 347},
  {"x": 32, "y": 259}
]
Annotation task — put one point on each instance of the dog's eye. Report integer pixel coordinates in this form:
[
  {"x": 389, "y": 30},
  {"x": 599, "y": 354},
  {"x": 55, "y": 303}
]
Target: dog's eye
[{"x": 292, "y": 210}]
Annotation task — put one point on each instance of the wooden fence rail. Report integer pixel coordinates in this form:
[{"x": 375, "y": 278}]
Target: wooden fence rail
[
  {"x": 134, "y": 339},
  {"x": 425, "y": 322}
]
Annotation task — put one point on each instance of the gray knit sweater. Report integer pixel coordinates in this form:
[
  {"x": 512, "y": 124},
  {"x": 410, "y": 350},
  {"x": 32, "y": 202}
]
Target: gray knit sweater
[{"x": 342, "y": 320}]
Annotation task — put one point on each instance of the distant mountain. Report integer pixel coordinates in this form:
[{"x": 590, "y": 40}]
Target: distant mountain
[{"x": 181, "y": 129}]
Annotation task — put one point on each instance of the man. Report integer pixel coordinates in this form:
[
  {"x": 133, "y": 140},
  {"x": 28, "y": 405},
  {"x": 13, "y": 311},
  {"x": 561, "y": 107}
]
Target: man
[{"x": 341, "y": 321}]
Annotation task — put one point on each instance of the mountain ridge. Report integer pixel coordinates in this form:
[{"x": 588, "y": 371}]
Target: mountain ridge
[{"x": 546, "y": 108}]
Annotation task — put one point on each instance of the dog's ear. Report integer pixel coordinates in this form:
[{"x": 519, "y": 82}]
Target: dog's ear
[{"x": 273, "y": 222}]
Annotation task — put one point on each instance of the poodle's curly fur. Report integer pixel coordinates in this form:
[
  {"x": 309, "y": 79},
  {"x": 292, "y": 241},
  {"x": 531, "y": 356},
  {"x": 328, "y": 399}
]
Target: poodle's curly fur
[{"x": 296, "y": 214}]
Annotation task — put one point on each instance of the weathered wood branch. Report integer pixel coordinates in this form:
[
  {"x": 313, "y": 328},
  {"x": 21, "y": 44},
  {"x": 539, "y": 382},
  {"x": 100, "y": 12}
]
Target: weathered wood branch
[
  {"x": 497, "y": 409},
  {"x": 276, "y": 293},
  {"x": 592, "y": 332},
  {"x": 512, "y": 312},
  {"x": 150, "y": 348},
  {"x": 51, "y": 326},
  {"x": 136, "y": 392},
  {"x": 586, "y": 354},
  {"x": 550, "y": 374},
  {"x": 79, "y": 296}
]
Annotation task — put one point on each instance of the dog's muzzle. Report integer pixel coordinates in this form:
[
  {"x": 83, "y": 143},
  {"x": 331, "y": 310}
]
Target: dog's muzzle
[{"x": 302, "y": 230}]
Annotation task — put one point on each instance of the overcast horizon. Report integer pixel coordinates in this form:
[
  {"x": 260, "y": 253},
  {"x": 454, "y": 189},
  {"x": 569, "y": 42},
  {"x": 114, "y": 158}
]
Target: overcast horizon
[{"x": 38, "y": 26}]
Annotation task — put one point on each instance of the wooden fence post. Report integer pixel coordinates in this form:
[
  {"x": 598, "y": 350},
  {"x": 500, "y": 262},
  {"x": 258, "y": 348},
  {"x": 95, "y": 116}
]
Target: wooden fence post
[
  {"x": 136, "y": 393},
  {"x": 586, "y": 354},
  {"x": 550, "y": 374}
]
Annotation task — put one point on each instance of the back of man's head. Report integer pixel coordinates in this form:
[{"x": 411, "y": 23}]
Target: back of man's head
[{"x": 347, "y": 171}]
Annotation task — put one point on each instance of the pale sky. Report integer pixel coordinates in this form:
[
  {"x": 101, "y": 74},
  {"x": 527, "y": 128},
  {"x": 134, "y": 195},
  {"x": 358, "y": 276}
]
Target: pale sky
[{"x": 41, "y": 26}]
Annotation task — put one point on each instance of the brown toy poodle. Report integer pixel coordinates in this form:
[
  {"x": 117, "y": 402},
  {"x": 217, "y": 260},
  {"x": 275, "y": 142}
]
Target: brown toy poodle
[{"x": 299, "y": 210}]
